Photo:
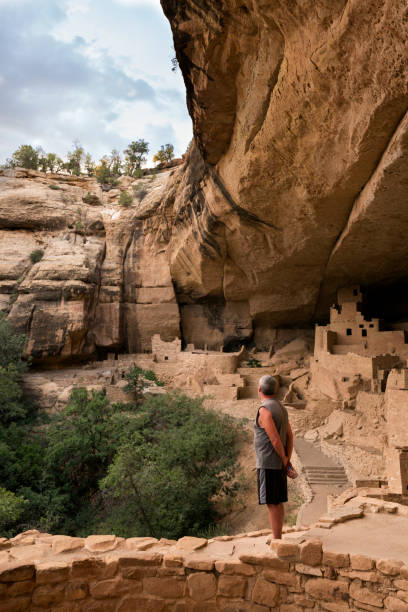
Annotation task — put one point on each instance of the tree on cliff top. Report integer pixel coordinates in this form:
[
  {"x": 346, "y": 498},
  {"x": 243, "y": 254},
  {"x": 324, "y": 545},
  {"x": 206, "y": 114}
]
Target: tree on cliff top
[
  {"x": 164, "y": 154},
  {"x": 25, "y": 157},
  {"x": 135, "y": 155}
]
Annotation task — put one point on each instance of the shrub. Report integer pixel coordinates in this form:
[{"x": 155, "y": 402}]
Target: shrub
[
  {"x": 79, "y": 226},
  {"x": 36, "y": 255},
  {"x": 168, "y": 472},
  {"x": 91, "y": 199},
  {"x": 254, "y": 363},
  {"x": 11, "y": 508},
  {"x": 125, "y": 199},
  {"x": 55, "y": 187},
  {"x": 137, "y": 378},
  {"x": 138, "y": 173}
]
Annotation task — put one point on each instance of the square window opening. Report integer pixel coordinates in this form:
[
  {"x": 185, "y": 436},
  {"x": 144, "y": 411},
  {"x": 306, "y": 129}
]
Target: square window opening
[
  {"x": 349, "y": 332},
  {"x": 364, "y": 332}
]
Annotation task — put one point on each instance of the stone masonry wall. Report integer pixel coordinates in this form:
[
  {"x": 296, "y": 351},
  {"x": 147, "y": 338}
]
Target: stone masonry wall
[{"x": 109, "y": 574}]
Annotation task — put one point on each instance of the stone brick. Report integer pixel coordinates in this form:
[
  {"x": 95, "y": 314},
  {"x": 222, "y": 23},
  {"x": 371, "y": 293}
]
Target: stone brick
[
  {"x": 402, "y": 595},
  {"x": 334, "y": 606},
  {"x": 166, "y": 588},
  {"x": 361, "y": 562},
  {"x": 266, "y": 560},
  {"x": 100, "y": 606},
  {"x": 138, "y": 573},
  {"x": 16, "y": 572},
  {"x": 265, "y": 593},
  {"x": 84, "y": 568},
  {"x": 333, "y": 559},
  {"x": 286, "y": 578},
  {"x": 101, "y": 543},
  {"x": 303, "y": 602},
  {"x": 65, "y": 606},
  {"x": 401, "y": 584},
  {"x": 309, "y": 570},
  {"x": 389, "y": 566},
  {"x": 365, "y": 576},
  {"x": 232, "y": 586},
  {"x": 395, "y": 605},
  {"x": 3, "y": 590},
  {"x": 200, "y": 563},
  {"x": 321, "y": 588},
  {"x": 141, "y": 558},
  {"x": 311, "y": 552},
  {"x": 234, "y": 567},
  {"x": 115, "y": 587},
  {"x": 171, "y": 560},
  {"x": 20, "y": 588},
  {"x": 170, "y": 571},
  {"x": 64, "y": 544},
  {"x": 365, "y": 595},
  {"x": 48, "y": 594},
  {"x": 17, "y": 604},
  {"x": 52, "y": 572},
  {"x": 288, "y": 551},
  {"x": 189, "y": 543},
  {"x": 201, "y": 586},
  {"x": 76, "y": 590},
  {"x": 140, "y": 604},
  {"x": 288, "y": 608}
]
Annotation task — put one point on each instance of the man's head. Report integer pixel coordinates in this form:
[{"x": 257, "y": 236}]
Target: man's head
[{"x": 267, "y": 385}]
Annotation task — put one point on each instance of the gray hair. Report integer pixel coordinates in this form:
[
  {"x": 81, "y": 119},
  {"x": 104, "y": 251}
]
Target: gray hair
[{"x": 267, "y": 384}]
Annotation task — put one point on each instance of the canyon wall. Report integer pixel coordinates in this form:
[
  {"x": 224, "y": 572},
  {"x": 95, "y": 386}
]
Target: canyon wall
[
  {"x": 300, "y": 123},
  {"x": 295, "y": 185}
]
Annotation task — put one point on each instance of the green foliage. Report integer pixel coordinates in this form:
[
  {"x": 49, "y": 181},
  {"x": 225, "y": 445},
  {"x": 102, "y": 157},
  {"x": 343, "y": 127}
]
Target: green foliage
[
  {"x": 89, "y": 165},
  {"x": 167, "y": 474},
  {"x": 79, "y": 226},
  {"x": 90, "y": 198},
  {"x": 74, "y": 159},
  {"x": 135, "y": 156},
  {"x": 137, "y": 379},
  {"x": 26, "y": 157},
  {"x": 36, "y": 255},
  {"x": 55, "y": 187},
  {"x": 164, "y": 154},
  {"x": 254, "y": 363},
  {"x": 11, "y": 507},
  {"x": 125, "y": 199}
]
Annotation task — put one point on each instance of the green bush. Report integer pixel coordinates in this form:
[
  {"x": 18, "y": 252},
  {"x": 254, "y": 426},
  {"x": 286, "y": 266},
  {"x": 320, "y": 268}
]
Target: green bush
[
  {"x": 125, "y": 199},
  {"x": 137, "y": 378},
  {"x": 168, "y": 472},
  {"x": 254, "y": 363},
  {"x": 36, "y": 255},
  {"x": 79, "y": 226},
  {"x": 11, "y": 508},
  {"x": 55, "y": 187}
]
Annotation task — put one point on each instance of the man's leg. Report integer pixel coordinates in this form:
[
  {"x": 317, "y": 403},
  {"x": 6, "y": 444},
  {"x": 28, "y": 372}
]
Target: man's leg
[{"x": 276, "y": 515}]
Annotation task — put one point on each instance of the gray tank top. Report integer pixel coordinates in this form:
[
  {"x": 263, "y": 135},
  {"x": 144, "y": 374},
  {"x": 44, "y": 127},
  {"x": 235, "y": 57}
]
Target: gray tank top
[{"x": 266, "y": 456}]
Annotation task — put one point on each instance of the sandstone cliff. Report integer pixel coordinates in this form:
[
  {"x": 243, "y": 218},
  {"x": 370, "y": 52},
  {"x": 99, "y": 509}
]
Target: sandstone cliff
[
  {"x": 295, "y": 185},
  {"x": 299, "y": 184},
  {"x": 100, "y": 285}
]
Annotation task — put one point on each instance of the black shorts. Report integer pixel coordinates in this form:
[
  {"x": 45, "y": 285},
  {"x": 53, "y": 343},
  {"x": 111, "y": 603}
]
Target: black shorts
[{"x": 272, "y": 486}]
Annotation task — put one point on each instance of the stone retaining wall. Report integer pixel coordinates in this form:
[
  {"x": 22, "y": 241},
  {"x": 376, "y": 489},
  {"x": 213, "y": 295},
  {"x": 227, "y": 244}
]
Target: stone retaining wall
[{"x": 183, "y": 577}]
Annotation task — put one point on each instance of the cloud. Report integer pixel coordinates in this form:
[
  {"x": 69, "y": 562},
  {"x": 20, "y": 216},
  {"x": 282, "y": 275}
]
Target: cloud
[
  {"x": 55, "y": 90},
  {"x": 154, "y": 3}
]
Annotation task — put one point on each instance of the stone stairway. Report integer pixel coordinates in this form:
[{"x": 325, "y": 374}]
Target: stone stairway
[{"x": 318, "y": 475}]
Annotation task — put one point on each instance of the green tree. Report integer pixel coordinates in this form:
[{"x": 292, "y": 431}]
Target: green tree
[
  {"x": 12, "y": 368},
  {"x": 74, "y": 159},
  {"x": 167, "y": 473},
  {"x": 135, "y": 155},
  {"x": 89, "y": 165},
  {"x": 26, "y": 157},
  {"x": 115, "y": 163},
  {"x": 11, "y": 508},
  {"x": 164, "y": 154}
]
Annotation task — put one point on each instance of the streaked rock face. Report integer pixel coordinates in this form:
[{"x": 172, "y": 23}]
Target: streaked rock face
[
  {"x": 300, "y": 182},
  {"x": 99, "y": 286}
]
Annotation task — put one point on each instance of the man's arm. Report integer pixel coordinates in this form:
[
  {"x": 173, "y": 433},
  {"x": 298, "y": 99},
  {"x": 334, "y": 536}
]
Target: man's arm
[
  {"x": 269, "y": 425},
  {"x": 289, "y": 441}
]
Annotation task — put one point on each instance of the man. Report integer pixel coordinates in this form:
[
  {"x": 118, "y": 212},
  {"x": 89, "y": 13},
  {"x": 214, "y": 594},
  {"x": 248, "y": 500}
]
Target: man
[{"x": 273, "y": 439}]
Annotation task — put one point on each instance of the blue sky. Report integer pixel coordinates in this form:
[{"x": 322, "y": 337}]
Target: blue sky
[{"x": 97, "y": 71}]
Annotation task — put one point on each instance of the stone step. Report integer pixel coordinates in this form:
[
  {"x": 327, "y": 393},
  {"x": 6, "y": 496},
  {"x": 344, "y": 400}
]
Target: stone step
[{"x": 328, "y": 470}]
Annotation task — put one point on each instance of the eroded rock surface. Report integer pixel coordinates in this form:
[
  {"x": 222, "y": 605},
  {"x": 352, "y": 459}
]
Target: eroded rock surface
[{"x": 298, "y": 183}]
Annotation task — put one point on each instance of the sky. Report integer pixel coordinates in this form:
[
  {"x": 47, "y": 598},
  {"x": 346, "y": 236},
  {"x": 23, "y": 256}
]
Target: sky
[{"x": 95, "y": 71}]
